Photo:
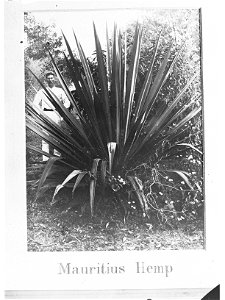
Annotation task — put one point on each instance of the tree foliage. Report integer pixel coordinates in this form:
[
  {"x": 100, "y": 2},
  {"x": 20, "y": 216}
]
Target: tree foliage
[{"x": 41, "y": 39}]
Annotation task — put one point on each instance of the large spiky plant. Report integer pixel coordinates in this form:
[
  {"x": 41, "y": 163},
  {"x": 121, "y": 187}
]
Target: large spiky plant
[{"x": 116, "y": 128}]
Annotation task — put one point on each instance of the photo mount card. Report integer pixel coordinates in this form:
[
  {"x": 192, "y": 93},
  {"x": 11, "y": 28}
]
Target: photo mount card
[{"x": 91, "y": 272}]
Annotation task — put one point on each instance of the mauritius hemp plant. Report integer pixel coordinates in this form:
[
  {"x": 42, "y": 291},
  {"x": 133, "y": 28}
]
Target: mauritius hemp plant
[{"x": 116, "y": 127}]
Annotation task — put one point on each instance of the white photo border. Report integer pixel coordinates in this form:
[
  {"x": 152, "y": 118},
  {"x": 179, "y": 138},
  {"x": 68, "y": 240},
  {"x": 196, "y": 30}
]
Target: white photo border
[{"x": 192, "y": 269}]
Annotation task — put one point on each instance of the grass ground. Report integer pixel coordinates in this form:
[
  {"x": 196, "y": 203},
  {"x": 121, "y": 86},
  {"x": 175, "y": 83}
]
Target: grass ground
[{"x": 49, "y": 229}]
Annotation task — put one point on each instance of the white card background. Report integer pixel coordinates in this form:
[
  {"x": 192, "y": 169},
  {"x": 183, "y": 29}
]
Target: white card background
[{"x": 39, "y": 271}]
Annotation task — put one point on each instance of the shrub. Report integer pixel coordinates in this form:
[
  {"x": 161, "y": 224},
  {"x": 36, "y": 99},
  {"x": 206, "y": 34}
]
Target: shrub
[{"x": 120, "y": 128}]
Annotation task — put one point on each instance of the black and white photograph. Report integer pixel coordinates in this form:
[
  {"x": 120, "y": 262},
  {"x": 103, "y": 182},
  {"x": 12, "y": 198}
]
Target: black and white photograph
[
  {"x": 114, "y": 130},
  {"x": 114, "y": 149}
]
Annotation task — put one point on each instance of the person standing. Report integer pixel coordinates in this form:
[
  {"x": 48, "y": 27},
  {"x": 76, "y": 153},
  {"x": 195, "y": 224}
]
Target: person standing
[{"x": 43, "y": 103}]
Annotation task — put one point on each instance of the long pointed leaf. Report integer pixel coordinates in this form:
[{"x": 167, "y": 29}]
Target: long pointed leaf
[
  {"x": 87, "y": 70},
  {"x": 191, "y": 146},
  {"x": 116, "y": 93},
  {"x": 40, "y": 151},
  {"x": 68, "y": 178},
  {"x": 147, "y": 83},
  {"x": 103, "y": 82},
  {"x": 78, "y": 180},
  {"x": 187, "y": 118},
  {"x": 103, "y": 171},
  {"x": 138, "y": 188},
  {"x": 157, "y": 83},
  {"x": 50, "y": 140},
  {"x": 108, "y": 56},
  {"x": 65, "y": 87},
  {"x": 183, "y": 175},
  {"x": 131, "y": 79},
  {"x": 169, "y": 135},
  {"x": 93, "y": 183},
  {"x": 86, "y": 97},
  {"x": 55, "y": 131},
  {"x": 166, "y": 113},
  {"x": 125, "y": 70},
  {"x": 45, "y": 173},
  {"x": 62, "y": 110}
]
